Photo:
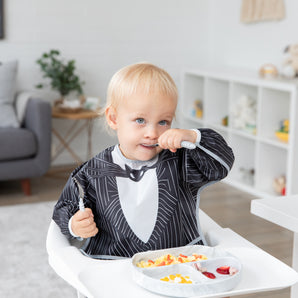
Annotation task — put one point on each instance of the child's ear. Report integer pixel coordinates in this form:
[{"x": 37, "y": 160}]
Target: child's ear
[{"x": 111, "y": 116}]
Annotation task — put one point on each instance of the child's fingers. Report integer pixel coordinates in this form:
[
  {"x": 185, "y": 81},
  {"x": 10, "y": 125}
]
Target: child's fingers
[
  {"x": 83, "y": 223},
  {"x": 172, "y": 138},
  {"x": 171, "y": 142},
  {"x": 87, "y": 222},
  {"x": 89, "y": 231},
  {"x": 84, "y": 228},
  {"x": 81, "y": 215}
]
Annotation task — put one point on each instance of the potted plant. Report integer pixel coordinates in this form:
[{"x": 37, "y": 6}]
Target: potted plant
[{"x": 61, "y": 74}]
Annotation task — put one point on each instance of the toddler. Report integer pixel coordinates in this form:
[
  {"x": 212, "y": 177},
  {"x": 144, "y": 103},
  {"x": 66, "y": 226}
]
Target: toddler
[{"x": 141, "y": 194}]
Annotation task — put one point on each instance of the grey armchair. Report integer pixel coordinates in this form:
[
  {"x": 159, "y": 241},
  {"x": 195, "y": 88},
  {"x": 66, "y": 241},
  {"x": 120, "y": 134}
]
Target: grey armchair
[{"x": 25, "y": 152}]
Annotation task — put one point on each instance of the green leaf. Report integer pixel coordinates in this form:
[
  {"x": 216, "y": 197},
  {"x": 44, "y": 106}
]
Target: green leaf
[{"x": 61, "y": 74}]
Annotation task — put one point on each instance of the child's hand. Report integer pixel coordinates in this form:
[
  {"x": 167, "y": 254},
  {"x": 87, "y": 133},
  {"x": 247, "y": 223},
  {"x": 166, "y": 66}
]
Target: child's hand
[
  {"x": 171, "y": 139},
  {"x": 83, "y": 224}
]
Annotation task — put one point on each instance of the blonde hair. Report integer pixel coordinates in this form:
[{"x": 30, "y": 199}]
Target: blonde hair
[{"x": 144, "y": 76}]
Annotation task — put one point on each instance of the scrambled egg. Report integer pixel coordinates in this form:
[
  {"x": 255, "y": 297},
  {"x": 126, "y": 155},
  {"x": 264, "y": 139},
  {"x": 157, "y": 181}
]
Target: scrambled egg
[
  {"x": 169, "y": 259},
  {"x": 177, "y": 278}
]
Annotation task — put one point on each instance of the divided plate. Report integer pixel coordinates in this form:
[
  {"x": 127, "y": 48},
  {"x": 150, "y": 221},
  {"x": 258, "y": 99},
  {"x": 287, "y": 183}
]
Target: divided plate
[{"x": 150, "y": 278}]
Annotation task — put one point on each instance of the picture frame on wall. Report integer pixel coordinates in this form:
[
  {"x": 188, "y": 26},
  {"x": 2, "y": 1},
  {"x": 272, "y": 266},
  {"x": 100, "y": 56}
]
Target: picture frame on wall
[{"x": 1, "y": 19}]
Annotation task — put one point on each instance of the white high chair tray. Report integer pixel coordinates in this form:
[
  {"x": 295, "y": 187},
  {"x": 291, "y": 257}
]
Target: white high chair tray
[
  {"x": 109, "y": 279},
  {"x": 260, "y": 272}
]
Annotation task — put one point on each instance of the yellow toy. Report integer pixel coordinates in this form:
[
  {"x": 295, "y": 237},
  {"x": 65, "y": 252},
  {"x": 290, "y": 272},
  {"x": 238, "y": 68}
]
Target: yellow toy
[
  {"x": 198, "y": 108},
  {"x": 283, "y": 133}
]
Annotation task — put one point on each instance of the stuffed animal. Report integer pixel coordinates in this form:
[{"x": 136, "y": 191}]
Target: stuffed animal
[
  {"x": 290, "y": 65},
  {"x": 279, "y": 185},
  {"x": 244, "y": 114}
]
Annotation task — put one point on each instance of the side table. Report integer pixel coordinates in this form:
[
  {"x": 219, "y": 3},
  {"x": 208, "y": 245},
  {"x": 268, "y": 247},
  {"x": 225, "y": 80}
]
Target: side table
[{"x": 81, "y": 120}]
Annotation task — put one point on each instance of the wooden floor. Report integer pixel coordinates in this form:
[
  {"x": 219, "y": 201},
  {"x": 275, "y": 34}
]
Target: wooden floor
[{"x": 228, "y": 206}]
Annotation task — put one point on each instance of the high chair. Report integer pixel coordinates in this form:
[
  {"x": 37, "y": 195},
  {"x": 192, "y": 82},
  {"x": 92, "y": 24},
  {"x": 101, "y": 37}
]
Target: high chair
[{"x": 112, "y": 278}]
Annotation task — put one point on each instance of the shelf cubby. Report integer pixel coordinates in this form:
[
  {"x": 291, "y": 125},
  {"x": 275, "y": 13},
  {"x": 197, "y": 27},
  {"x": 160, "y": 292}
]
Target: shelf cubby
[
  {"x": 256, "y": 147},
  {"x": 217, "y": 92},
  {"x": 272, "y": 163},
  {"x": 275, "y": 107},
  {"x": 244, "y": 166},
  {"x": 241, "y": 93},
  {"x": 193, "y": 90}
]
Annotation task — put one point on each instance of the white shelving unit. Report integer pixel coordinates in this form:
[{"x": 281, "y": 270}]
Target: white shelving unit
[{"x": 256, "y": 150}]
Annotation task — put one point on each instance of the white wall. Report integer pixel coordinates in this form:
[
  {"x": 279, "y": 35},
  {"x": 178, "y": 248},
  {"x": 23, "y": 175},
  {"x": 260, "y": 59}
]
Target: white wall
[
  {"x": 102, "y": 36},
  {"x": 235, "y": 44}
]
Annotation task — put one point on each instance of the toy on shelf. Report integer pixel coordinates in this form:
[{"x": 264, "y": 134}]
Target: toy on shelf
[
  {"x": 290, "y": 65},
  {"x": 225, "y": 121},
  {"x": 198, "y": 109},
  {"x": 247, "y": 175},
  {"x": 283, "y": 133},
  {"x": 279, "y": 185},
  {"x": 268, "y": 71},
  {"x": 244, "y": 114}
]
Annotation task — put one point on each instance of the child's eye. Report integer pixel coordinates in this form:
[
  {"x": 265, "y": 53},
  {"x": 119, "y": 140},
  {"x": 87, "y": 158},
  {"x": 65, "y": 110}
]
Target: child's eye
[
  {"x": 140, "y": 120},
  {"x": 163, "y": 122}
]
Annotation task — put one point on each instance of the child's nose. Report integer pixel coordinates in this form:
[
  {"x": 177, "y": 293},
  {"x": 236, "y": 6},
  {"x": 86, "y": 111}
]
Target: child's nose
[{"x": 151, "y": 132}]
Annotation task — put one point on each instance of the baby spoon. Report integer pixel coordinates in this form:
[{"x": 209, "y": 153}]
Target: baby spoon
[
  {"x": 81, "y": 195},
  {"x": 184, "y": 144}
]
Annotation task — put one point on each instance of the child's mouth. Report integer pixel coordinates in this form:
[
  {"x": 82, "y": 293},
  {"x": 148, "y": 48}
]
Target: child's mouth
[{"x": 150, "y": 145}]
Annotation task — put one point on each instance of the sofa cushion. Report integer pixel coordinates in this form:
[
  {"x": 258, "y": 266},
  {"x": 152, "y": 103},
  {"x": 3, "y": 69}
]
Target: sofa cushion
[
  {"x": 8, "y": 73},
  {"x": 17, "y": 143}
]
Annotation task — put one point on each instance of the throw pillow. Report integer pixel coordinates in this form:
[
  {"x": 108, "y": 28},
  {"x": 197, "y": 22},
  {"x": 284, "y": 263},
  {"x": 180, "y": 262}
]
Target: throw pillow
[
  {"x": 8, "y": 73},
  {"x": 21, "y": 104},
  {"x": 8, "y": 116}
]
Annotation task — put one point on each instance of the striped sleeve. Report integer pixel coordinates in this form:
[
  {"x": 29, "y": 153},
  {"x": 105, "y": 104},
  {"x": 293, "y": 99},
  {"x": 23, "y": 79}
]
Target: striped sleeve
[
  {"x": 66, "y": 207},
  {"x": 210, "y": 161},
  {"x": 68, "y": 203}
]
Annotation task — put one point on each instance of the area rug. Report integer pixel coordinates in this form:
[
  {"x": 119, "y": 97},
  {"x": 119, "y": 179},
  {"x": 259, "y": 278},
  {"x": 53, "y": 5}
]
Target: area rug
[{"x": 25, "y": 271}]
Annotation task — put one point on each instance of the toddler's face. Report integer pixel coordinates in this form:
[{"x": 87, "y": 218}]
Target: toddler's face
[{"x": 139, "y": 121}]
